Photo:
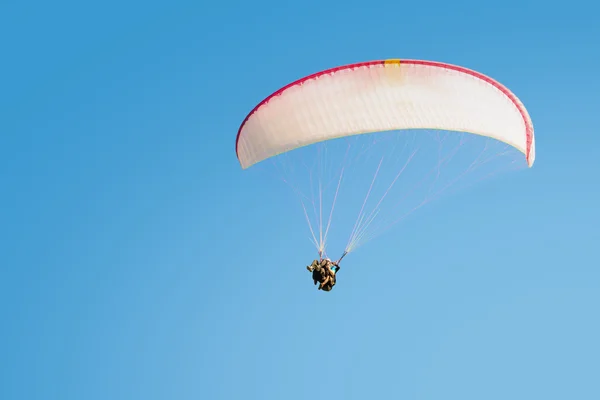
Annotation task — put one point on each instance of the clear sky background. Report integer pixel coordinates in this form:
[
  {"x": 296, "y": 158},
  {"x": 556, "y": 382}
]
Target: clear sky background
[{"x": 121, "y": 189}]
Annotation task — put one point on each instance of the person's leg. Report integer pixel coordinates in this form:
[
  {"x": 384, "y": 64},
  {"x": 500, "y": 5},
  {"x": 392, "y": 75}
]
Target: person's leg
[
  {"x": 325, "y": 281},
  {"x": 312, "y": 266}
]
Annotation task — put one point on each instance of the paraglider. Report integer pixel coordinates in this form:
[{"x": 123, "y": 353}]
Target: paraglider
[
  {"x": 324, "y": 272},
  {"x": 358, "y": 100}
]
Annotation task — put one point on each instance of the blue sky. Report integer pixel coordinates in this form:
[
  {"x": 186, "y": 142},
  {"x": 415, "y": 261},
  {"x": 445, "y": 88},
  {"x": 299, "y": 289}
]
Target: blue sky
[{"x": 121, "y": 190}]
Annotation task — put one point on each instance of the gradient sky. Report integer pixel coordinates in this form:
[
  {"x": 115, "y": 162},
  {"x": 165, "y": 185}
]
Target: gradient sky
[{"x": 121, "y": 189}]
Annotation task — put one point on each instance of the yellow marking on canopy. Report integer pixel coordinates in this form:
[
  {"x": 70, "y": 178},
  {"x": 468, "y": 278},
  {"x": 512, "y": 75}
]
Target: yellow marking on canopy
[{"x": 392, "y": 61}]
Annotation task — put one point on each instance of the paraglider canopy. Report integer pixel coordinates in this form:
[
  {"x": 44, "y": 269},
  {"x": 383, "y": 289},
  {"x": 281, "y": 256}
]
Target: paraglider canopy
[{"x": 380, "y": 96}]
